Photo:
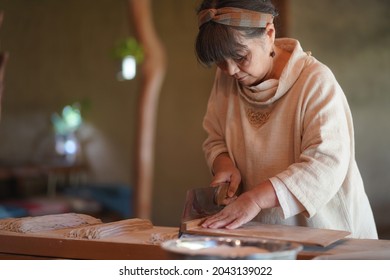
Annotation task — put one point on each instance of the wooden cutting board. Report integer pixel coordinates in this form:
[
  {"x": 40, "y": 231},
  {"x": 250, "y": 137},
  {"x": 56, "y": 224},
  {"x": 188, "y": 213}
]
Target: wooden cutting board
[
  {"x": 75, "y": 236},
  {"x": 303, "y": 235}
]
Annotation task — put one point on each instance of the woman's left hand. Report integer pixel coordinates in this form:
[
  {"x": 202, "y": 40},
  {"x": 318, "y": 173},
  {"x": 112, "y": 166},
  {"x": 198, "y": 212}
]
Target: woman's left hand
[{"x": 240, "y": 211}]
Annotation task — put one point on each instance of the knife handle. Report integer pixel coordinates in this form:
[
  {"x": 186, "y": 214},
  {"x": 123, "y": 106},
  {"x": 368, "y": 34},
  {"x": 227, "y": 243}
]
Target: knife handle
[{"x": 221, "y": 194}]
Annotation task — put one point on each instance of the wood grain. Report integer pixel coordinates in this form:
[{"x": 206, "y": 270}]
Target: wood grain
[
  {"x": 24, "y": 246},
  {"x": 303, "y": 235}
]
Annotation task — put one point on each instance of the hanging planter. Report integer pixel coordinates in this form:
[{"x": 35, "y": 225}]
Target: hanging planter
[{"x": 130, "y": 53}]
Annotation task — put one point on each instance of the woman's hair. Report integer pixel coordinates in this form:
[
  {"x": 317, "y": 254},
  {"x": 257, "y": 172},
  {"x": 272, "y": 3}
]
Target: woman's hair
[{"x": 216, "y": 42}]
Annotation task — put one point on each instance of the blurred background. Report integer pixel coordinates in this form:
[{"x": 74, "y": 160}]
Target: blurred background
[{"x": 69, "y": 123}]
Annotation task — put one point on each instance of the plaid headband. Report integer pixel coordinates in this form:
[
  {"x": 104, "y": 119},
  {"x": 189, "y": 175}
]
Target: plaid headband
[{"x": 234, "y": 17}]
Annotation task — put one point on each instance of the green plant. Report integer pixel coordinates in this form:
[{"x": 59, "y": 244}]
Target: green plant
[{"x": 128, "y": 46}]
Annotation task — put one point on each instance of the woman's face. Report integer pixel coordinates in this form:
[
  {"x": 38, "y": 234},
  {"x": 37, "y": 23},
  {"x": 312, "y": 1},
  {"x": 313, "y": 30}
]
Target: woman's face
[{"x": 254, "y": 64}]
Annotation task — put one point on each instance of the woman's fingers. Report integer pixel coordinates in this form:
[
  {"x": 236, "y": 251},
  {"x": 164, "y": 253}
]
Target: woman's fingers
[
  {"x": 240, "y": 211},
  {"x": 237, "y": 223},
  {"x": 218, "y": 220}
]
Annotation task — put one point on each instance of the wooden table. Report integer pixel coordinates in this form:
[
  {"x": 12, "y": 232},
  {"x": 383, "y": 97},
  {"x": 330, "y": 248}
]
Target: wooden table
[
  {"x": 349, "y": 248},
  {"x": 36, "y": 246},
  {"x": 135, "y": 247}
]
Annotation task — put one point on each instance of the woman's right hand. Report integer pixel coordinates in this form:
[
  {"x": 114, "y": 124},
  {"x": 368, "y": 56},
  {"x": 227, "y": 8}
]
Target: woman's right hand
[{"x": 226, "y": 172}]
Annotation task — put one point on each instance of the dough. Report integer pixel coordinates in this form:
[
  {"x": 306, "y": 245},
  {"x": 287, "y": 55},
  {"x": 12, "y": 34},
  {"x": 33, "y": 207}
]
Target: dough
[
  {"x": 110, "y": 229},
  {"x": 47, "y": 222}
]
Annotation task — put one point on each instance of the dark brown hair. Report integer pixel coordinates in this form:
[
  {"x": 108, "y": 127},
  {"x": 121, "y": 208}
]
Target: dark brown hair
[{"x": 217, "y": 42}]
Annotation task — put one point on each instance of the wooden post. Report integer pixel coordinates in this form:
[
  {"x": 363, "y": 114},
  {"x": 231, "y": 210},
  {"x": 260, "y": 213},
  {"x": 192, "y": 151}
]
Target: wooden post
[
  {"x": 3, "y": 62},
  {"x": 153, "y": 73},
  {"x": 282, "y": 21}
]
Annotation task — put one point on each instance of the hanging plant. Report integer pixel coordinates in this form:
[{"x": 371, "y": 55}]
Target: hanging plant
[{"x": 129, "y": 47}]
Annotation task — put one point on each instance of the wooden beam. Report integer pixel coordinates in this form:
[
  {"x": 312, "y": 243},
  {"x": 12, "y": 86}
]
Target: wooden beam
[
  {"x": 282, "y": 21},
  {"x": 153, "y": 73},
  {"x": 3, "y": 62}
]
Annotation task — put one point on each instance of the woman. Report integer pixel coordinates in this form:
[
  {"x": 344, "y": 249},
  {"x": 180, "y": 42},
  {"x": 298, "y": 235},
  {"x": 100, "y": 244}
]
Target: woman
[{"x": 278, "y": 124}]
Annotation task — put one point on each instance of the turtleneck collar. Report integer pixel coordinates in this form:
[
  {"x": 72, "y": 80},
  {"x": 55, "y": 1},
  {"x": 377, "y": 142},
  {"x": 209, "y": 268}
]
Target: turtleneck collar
[{"x": 269, "y": 91}]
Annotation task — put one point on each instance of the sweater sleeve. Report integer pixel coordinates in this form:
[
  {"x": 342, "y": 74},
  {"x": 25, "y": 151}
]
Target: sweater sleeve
[
  {"x": 288, "y": 202},
  {"x": 326, "y": 143},
  {"x": 213, "y": 124}
]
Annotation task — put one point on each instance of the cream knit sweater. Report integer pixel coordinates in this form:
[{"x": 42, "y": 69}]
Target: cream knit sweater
[{"x": 298, "y": 132}]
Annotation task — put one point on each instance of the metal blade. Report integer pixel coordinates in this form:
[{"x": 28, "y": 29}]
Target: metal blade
[{"x": 203, "y": 202}]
